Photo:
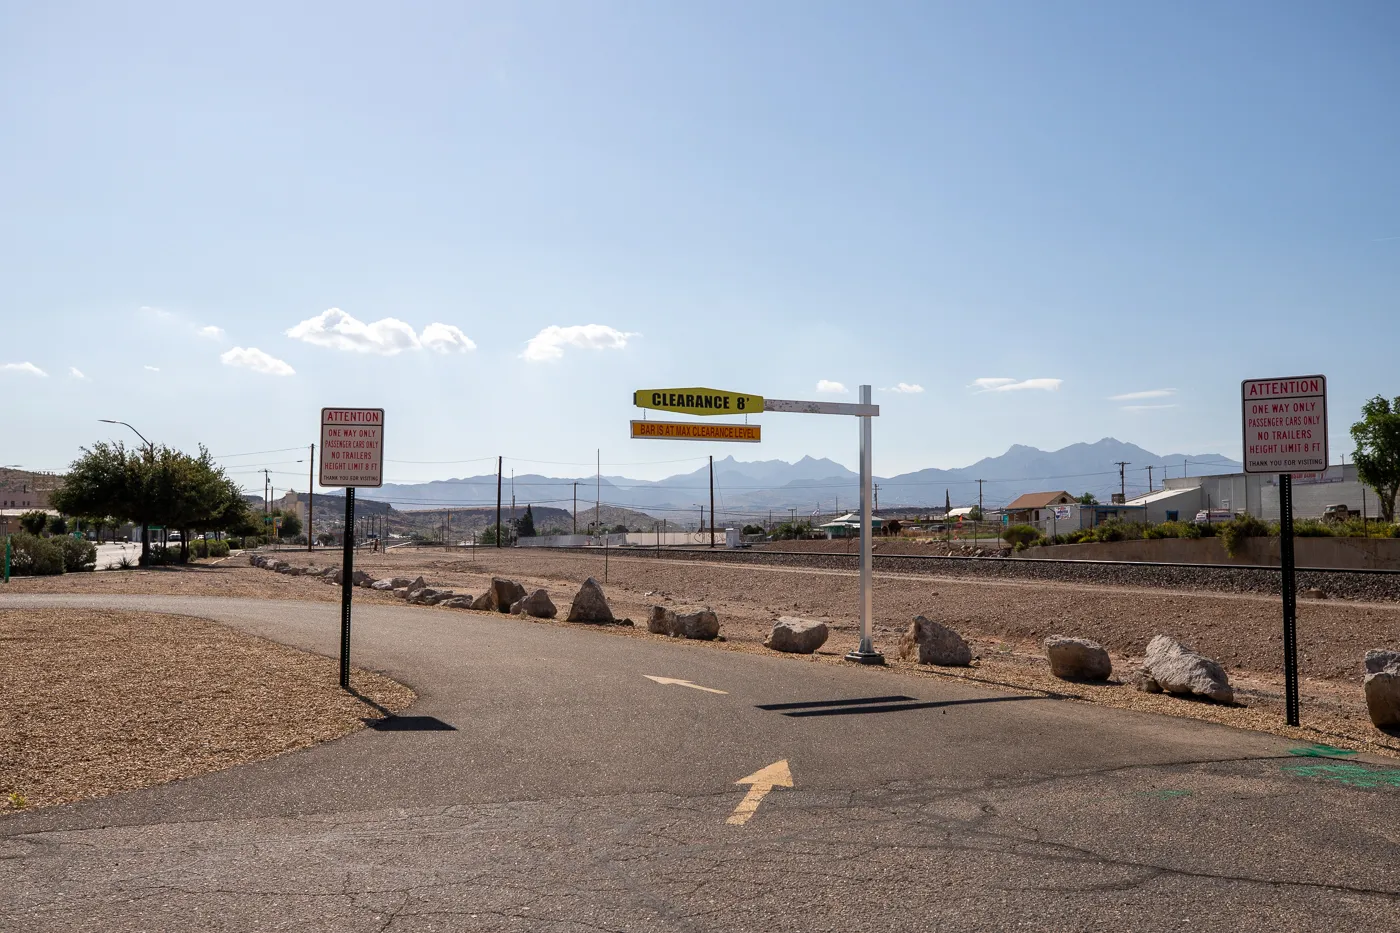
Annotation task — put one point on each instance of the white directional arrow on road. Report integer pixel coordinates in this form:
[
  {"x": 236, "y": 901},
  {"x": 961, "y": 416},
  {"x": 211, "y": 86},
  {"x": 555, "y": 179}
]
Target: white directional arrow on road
[
  {"x": 677, "y": 682},
  {"x": 760, "y": 783}
]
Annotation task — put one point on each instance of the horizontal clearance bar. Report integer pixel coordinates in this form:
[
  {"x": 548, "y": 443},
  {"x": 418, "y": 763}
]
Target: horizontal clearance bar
[
  {"x": 820, "y": 408},
  {"x": 696, "y": 431}
]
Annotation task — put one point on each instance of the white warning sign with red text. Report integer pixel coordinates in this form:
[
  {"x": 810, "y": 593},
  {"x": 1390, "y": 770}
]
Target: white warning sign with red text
[
  {"x": 1285, "y": 425},
  {"x": 352, "y": 446}
]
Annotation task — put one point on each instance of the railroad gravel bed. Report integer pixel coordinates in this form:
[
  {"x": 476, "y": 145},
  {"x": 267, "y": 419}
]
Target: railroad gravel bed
[{"x": 1335, "y": 584}]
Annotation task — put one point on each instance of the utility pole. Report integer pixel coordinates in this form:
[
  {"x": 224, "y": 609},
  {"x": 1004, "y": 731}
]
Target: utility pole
[
  {"x": 598, "y": 492},
  {"x": 701, "y": 526},
  {"x": 311, "y": 499},
  {"x": 1149, "y": 479},
  {"x": 267, "y": 502},
  {"x": 712, "y": 500},
  {"x": 499, "y": 461},
  {"x": 512, "y": 497},
  {"x": 877, "y": 499},
  {"x": 575, "y": 507},
  {"x": 979, "y": 494},
  {"x": 1122, "y": 482}
]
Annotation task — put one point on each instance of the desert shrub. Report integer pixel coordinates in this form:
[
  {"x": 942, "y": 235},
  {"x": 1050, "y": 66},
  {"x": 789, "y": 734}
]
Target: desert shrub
[
  {"x": 209, "y": 548},
  {"x": 34, "y": 521},
  {"x": 33, "y": 556},
  {"x": 1312, "y": 528},
  {"x": 78, "y": 554},
  {"x": 753, "y": 530},
  {"x": 1019, "y": 536},
  {"x": 1111, "y": 531},
  {"x": 1233, "y": 532}
]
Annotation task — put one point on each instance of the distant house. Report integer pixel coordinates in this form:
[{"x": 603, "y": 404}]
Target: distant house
[
  {"x": 1032, "y": 507},
  {"x": 848, "y": 526}
]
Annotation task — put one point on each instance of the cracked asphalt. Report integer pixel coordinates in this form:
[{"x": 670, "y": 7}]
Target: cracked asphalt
[{"x": 573, "y": 794}]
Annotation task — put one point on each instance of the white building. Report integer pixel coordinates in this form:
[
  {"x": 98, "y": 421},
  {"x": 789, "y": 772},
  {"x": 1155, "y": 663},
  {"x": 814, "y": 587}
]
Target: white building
[{"x": 1257, "y": 493}]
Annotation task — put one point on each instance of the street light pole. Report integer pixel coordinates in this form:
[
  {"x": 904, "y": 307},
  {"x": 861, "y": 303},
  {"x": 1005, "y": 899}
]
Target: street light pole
[{"x": 150, "y": 458}]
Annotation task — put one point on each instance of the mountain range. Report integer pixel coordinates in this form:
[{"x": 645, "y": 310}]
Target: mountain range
[{"x": 812, "y": 484}]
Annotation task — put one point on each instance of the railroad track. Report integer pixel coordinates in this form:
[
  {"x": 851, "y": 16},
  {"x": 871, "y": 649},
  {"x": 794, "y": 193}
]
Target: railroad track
[{"x": 1378, "y": 585}]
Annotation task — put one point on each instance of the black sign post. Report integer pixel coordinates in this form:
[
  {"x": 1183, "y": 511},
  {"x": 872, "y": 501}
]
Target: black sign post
[
  {"x": 1290, "y": 596},
  {"x": 347, "y": 586}
]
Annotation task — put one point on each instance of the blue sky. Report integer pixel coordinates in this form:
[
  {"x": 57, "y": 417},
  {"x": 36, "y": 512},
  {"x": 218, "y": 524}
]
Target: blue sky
[{"x": 521, "y": 212}]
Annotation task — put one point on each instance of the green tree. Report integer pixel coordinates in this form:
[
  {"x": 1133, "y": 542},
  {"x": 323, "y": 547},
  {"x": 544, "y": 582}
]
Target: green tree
[
  {"x": 290, "y": 526},
  {"x": 58, "y": 525},
  {"x": 1377, "y": 454},
  {"x": 33, "y": 521},
  {"x": 1088, "y": 499},
  {"x": 526, "y": 527},
  {"x": 155, "y": 486},
  {"x": 976, "y": 513},
  {"x": 487, "y": 536}
]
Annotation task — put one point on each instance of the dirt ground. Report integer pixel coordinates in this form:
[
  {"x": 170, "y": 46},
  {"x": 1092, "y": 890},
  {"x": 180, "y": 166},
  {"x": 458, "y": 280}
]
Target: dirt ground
[
  {"x": 96, "y": 702},
  {"x": 1004, "y": 620}
]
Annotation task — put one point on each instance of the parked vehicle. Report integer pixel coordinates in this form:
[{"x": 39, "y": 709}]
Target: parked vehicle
[
  {"x": 1212, "y": 516},
  {"x": 1339, "y": 513}
]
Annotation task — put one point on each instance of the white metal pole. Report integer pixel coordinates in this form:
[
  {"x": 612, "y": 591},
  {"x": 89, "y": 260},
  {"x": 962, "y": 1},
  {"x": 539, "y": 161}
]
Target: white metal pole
[{"x": 866, "y": 654}]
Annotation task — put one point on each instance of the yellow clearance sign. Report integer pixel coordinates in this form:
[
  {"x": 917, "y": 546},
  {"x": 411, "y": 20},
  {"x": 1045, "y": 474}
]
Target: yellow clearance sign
[
  {"x": 698, "y": 401},
  {"x": 696, "y": 431}
]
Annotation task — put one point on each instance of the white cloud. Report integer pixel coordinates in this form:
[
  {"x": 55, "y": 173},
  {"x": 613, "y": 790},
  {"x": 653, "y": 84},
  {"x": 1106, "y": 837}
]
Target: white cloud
[
  {"x": 906, "y": 388},
  {"x": 76, "y": 373},
  {"x": 1144, "y": 407},
  {"x": 212, "y": 331},
  {"x": 444, "y": 338},
  {"x": 335, "y": 329},
  {"x": 1002, "y": 384},
  {"x": 256, "y": 360},
  {"x": 549, "y": 343},
  {"x": 833, "y": 388},
  {"x": 387, "y": 337},
  {"x": 154, "y": 369},
  {"x": 159, "y": 313},
  {"x": 26, "y": 367},
  {"x": 1149, "y": 393}
]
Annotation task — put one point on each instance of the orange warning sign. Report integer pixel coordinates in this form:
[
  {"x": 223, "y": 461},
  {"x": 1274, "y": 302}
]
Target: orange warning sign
[{"x": 696, "y": 431}]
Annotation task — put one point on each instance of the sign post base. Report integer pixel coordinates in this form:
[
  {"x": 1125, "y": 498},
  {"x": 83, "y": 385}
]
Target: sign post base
[{"x": 865, "y": 656}]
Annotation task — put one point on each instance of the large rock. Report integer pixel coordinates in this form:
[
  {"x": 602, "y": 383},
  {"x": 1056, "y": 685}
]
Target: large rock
[
  {"x": 1382, "y": 689},
  {"x": 537, "y": 605},
  {"x": 363, "y": 579},
  {"x": 930, "y": 642},
  {"x": 483, "y": 602},
  {"x": 382, "y": 585},
  {"x": 505, "y": 593},
  {"x": 457, "y": 602},
  {"x": 427, "y": 596},
  {"x": 400, "y": 582},
  {"x": 414, "y": 587},
  {"x": 254, "y": 559},
  {"x": 1378, "y": 659},
  {"x": 702, "y": 624},
  {"x": 796, "y": 636},
  {"x": 1077, "y": 658},
  {"x": 590, "y": 605},
  {"x": 1179, "y": 670}
]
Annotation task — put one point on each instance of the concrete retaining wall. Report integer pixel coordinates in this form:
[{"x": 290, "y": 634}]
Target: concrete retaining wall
[{"x": 1347, "y": 553}]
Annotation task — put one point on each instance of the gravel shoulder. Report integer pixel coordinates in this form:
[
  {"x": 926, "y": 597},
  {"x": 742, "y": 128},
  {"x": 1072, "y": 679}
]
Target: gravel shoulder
[
  {"x": 96, "y": 702},
  {"x": 1004, "y": 619}
]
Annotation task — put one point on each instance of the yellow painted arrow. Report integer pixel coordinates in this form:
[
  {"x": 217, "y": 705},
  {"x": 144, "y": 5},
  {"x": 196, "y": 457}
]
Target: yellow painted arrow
[
  {"x": 760, "y": 783},
  {"x": 676, "y": 682}
]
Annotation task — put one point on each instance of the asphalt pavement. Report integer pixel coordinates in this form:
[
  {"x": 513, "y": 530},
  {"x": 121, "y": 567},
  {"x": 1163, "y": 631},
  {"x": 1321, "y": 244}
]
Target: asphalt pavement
[{"x": 558, "y": 778}]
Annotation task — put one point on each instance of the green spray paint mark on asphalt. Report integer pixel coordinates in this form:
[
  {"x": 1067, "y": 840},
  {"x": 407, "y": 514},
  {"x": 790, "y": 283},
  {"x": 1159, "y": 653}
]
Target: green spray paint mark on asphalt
[
  {"x": 1321, "y": 751},
  {"x": 1352, "y": 775}
]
